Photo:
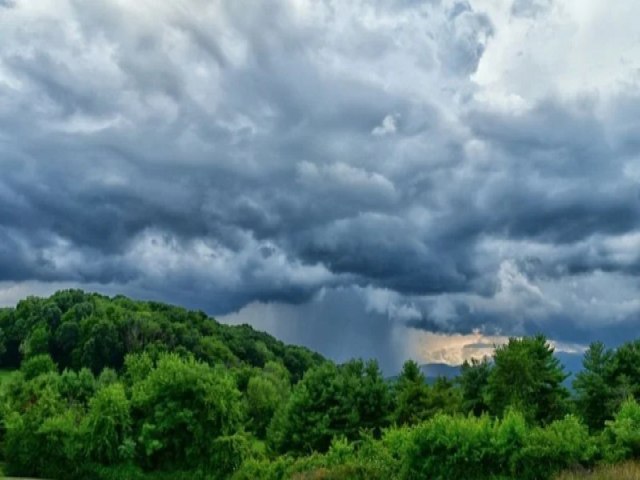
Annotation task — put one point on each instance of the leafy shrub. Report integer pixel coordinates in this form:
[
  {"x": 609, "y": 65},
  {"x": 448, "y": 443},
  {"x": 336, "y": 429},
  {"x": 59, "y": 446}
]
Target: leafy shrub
[
  {"x": 448, "y": 447},
  {"x": 546, "y": 451},
  {"x": 264, "y": 469},
  {"x": 37, "y": 365},
  {"x": 44, "y": 440},
  {"x": 108, "y": 426},
  {"x": 182, "y": 407},
  {"x": 479, "y": 448},
  {"x": 229, "y": 452},
  {"x": 622, "y": 434}
]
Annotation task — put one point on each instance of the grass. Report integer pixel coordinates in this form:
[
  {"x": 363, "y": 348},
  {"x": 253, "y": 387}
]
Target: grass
[
  {"x": 5, "y": 374},
  {"x": 623, "y": 471}
]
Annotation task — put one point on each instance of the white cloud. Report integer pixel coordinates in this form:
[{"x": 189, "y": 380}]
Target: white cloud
[
  {"x": 571, "y": 48},
  {"x": 387, "y": 127}
]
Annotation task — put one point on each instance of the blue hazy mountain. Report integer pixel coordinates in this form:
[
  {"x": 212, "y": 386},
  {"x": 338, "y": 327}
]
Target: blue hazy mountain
[
  {"x": 572, "y": 364},
  {"x": 432, "y": 371}
]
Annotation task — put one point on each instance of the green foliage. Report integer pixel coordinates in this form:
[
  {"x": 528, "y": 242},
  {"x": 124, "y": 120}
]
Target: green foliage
[
  {"x": 77, "y": 387},
  {"x": 6, "y": 375},
  {"x": 561, "y": 444},
  {"x": 412, "y": 395},
  {"x": 265, "y": 392},
  {"x": 624, "y": 373},
  {"x": 480, "y": 448},
  {"x": 264, "y": 469},
  {"x": 137, "y": 367},
  {"x": 123, "y": 402},
  {"x": 212, "y": 350},
  {"x": 415, "y": 401},
  {"x": 153, "y": 392},
  {"x": 81, "y": 329},
  {"x": 37, "y": 342},
  {"x": 594, "y": 396},
  {"x": 444, "y": 397},
  {"x": 474, "y": 381},
  {"x": 108, "y": 426},
  {"x": 509, "y": 437},
  {"x": 526, "y": 376},
  {"x": 3, "y": 342},
  {"x": 182, "y": 406},
  {"x": 331, "y": 401},
  {"x": 37, "y": 365},
  {"x": 41, "y": 436},
  {"x": 451, "y": 447},
  {"x": 622, "y": 434},
  {"x": 367, "y": 459},
  {"x": 228, "y": 454},
  {"x": 371, "y": 396},
  {"x": 107, "y": 377},
  {"x": 103, "y": 347},
  {"x": 609, "y": 378}
]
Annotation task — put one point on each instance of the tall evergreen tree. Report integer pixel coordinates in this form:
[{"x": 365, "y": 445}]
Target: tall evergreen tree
[
  {"x": 474, "y": 379},
  {"x": 412, "y": 395},
  {"x": 594, "y": 395},
  {"x": 528, "y": 377}
]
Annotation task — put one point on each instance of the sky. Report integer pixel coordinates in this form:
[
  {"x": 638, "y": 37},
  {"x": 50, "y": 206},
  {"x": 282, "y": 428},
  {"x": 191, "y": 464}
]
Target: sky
[{"x": 385, "y": 178}]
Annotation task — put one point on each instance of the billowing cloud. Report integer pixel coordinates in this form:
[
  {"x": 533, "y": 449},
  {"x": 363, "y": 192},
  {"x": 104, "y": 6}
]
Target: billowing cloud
[{"x": 384, "y": 168}]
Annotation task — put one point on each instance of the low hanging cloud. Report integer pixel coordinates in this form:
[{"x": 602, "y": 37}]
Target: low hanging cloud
[{"x": 453, "y": 167}]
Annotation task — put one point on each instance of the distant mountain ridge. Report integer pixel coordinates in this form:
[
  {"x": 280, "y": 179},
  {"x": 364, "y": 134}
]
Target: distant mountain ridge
[
  {"x": 572, "y": 363},
  {"x": 433, "y": 371}
]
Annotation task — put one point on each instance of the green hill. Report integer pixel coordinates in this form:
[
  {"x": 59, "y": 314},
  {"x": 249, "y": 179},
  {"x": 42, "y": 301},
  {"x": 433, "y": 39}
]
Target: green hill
[
  {"x": 81, "y": 329},
  {"x": 112, "y": 388}
]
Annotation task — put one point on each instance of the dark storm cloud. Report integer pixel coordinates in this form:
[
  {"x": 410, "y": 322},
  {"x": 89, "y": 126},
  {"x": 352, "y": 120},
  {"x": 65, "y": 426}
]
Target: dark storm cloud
[
  {"x": 214, "y": 155},
  {"x": 340, "y": 308}
]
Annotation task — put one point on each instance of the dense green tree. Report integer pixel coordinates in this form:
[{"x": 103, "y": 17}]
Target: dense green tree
[
  {"x": 373, "y": 397},
  {"x": 313, "y": 414},
  {"x": 36, "y": 342},
  {"x": 474, "y": 379},
  {"x": 103, "y": 347},
  {"x": 213, "y": 351},
  {"x": 42, "y": 437},
  {"x": 451, "y": 447},
  {"x": 108, "y": 426},
  {"x": 81, "y": 329},
  {"x": 265, "y": 392},
  {"x": 138, "y": 366},
  {"x": 77, "y": 387},
  {"x": 623, "y": 374},
  {"x": 594, "y": 395},
  {"x": 330, "y": 401},
  {"x": 526, "y": 376},
  {"x": 12, "y": 338},
  {"x": 37, "y": 365},
  {"x": 150, "y": 391},
  {"x": 107, "y": 377},
  {"x": 181, "y": 407},
  {"x": 561, "y": 444},
  {"x": 444, "y": 397},
  {"x": 411, "y": 396},
  {"x": 3, "y": 343},
  {"x": 622, "y": 434},
  {"x": 65, "y": 341}
]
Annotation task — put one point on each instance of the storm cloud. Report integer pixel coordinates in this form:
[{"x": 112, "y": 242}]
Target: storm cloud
[{"x": 380, "y": 168}]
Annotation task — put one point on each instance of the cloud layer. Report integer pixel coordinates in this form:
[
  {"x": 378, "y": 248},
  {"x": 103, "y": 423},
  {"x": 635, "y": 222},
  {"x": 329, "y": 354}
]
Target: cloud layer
[{"x": 392, "y": 166}]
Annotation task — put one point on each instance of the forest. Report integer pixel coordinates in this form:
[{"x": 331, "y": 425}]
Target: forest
[{"x": 111, "y": 388}]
